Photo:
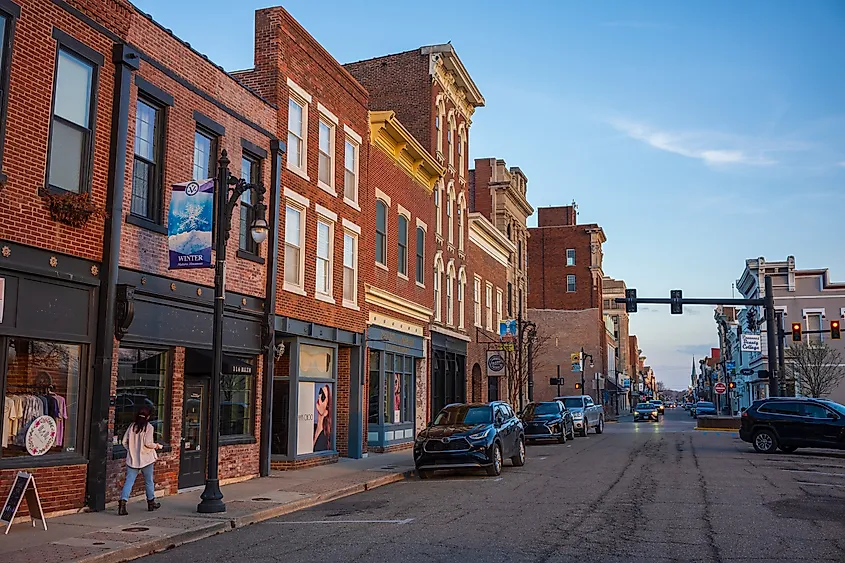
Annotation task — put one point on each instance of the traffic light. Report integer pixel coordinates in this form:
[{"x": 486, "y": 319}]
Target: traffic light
[
  {"x": 796, "y": 332},
  {"x": 732, "y": 384},
  {"x": 835, "y": 330},
  {"x": 631, "y": 300},
  {"x": 577, "y": 385},
  {"x": 751, "y": 319},
  {"x": 677, "y": 305}
]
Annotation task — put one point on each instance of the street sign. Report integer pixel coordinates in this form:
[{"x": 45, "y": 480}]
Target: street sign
[
  {"x": 575, "y": 357},
  {"x": 746, "y": 371},
  {"x": 555, "y": 381},
  {"x": 752, "y": 343},
  {"x": 576, "y": 367},
  {"x": 730, "y": 365},
  {"x": 720, "y": 388}
]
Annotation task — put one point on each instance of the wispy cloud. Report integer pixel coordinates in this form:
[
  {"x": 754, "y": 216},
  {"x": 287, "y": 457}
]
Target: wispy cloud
[
  {"x": 638, "y": 24},
  {"x": 712, "y": 147},
  {"x": 842, "y": 164}
]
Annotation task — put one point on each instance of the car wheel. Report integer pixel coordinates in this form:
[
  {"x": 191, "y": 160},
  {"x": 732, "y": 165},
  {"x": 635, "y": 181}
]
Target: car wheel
[
  {"x": 495, "y": 469},
  {"x": 600, "y": 427},
  {"x": 585, "y": 429},
  {"x": 519, "y": 459},
  {"x": 571, "y": 432},
  {"x": 787, "y": 449},
  {"x": 765, "y": 441},
  {"x": 425, "y": 473},
  {"x": 562, "y": 438}
]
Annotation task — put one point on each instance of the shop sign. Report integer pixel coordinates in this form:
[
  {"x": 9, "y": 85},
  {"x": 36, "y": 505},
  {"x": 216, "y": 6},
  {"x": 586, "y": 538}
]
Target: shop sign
[
  {"x": 41, "y": 435},
  {"x": 752, "y": 343},
  {"x": 189, "y": 223},
  {"x": 508, "y": 329},
  {"x": 23, "y": 488},
  {"x": 495, "y": 363}
]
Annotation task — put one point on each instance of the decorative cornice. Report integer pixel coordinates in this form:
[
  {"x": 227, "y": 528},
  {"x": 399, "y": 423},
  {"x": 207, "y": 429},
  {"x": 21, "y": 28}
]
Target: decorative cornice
[
  {"x": 388, "y": 134},
  {"x": 452, "y": 333},
  {"x": 487, "y": 237},
  {"x": 385, "y": 321},
  {"x": 381, "y": 298}
]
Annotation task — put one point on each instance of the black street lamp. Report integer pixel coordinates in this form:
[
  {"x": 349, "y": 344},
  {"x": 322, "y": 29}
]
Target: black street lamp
[
  {"x": 584, "y": 356},
  {"x": 228, "y": 191}
]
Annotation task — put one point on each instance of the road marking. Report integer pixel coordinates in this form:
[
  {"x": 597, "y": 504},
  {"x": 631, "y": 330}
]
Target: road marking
[
  {"x": 819, "y": 484},
  {"x": 496, "y": 480},
  {"x": 400, "y": 522},
  {"x": 541, "y": 458},
  {"x": 814, "y": 472}
]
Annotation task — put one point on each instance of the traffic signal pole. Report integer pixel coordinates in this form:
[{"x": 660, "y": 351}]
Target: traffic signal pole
[{"x": 771, "y": 338}]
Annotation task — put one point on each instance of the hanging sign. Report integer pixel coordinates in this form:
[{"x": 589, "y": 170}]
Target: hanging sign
[
  {"x": 41, "y": 435},
  {"x": 495, "y": 363},
  {"x": 22, "y": 488},
  {"x": 508, "y": 329},
  {"x": 752, "y": 343},
  {"x": 189, "y": 224}
]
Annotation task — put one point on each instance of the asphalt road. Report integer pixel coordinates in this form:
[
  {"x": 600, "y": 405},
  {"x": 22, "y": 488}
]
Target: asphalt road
[{"x": 647, "y": 492}]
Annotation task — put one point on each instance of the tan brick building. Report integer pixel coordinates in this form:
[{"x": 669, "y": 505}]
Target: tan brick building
[{"x": 620, "y": 336}]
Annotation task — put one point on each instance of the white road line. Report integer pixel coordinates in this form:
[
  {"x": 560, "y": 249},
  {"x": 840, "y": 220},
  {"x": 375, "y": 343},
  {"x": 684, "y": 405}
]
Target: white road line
[
  {"x": 819, "y": 484},
  {"x": 400, "y": 522},
  {"x": 814, "y": 472},
  {"x": 498, "y": 479}
]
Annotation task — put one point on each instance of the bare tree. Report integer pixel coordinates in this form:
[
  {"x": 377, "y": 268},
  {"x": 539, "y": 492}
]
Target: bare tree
[
  {"x": 816, "y": 367},
  {"x": 661, "y": 387},
  {"x": 518, "y": 375}
]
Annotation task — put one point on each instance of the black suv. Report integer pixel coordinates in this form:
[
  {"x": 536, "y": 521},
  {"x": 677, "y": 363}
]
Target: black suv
[
  {"x": 547, "y": 421},
  {"x": 789, "y": 423},
  {"x": 470, "y": 435}
]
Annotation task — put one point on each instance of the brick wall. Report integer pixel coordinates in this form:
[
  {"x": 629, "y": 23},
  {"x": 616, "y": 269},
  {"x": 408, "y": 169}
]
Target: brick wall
[
  {"x": 60, "y": 488},
  {"x": 547, "y": 269},
  {"x": 565, "y": 332},
  {"x": 481, "y": 199},
  {"x": 563, "y": 216}
]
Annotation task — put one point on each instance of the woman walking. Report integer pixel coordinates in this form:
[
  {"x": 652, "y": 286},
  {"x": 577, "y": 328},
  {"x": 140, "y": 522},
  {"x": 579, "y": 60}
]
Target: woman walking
[{"x": 140, "y": 458}]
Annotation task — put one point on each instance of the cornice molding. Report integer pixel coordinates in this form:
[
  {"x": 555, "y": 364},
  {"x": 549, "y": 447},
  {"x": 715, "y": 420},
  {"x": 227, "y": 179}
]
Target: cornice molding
[
  {"x": 487, "y": 237},
  {"x": 389, "y": 135},
  {"x": 379, "y": 297}
]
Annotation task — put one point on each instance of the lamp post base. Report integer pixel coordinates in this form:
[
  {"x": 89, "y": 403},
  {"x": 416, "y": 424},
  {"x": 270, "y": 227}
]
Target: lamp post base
[{"x": 212, "y": 498}]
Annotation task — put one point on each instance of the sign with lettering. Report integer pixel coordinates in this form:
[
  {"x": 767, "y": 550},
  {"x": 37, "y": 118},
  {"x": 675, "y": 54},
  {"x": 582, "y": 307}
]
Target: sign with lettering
[
  {"x": 508, "y": 329},
  {"x": 22, "y": 488},
  {"x": 752, "y": 343},
  {"x": 41, "y": 435},
  {"x": 189, "y": 223},
  {"x": 495, "y": 363}
]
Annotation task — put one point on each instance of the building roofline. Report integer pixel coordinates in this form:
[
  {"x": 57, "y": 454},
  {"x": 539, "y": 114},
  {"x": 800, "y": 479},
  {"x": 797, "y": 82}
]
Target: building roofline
[{"x": 453, "y": 63}]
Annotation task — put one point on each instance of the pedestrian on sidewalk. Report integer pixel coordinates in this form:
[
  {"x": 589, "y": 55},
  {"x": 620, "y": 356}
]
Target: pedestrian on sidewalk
[{"x": 140, "y": 458}]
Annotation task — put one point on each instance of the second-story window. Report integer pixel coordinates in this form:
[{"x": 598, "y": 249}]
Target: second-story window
[
  {"x": 420, "y": 255},
  {"x": 350, "y": 171},
  {"x": 381, "y": 232},
  {"x": 402, "y": 243},
  {"x": 570, "y": 256},
  {"x": 146, "y": 170},
  {"x": 438, "y": 279},
  {"x": 498, "y": 307},
  {"x": 296, "y": 133},
  {"x": 488, "y": 301},
  {"x": 204, "y": 150},
  {"x": 294, "y": 243},
  {"x": 324, "y": 257},
  {"x": 6, "y": 22},
  {"x": 438, "y": 196},
  {"x": 814, "y": 322},
  {"x": 450, "y": 221},
  {"x": 510, "y": 300},
  {"x": 326, "y": 159},
  {"x": 519, "y": 252},
  {"x": 251, "y": 173},
  {"x": 71, "y": 138},
  {"x": 570, "y": 283},
  {"x": 450, "y": 304},
  {"x": 462, "y": 280},
  {"x": 476, "y": 300},
  {"x": 350, "y": 268}
]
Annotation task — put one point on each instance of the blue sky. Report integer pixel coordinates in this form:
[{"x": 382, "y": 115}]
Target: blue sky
[{"x": 698, "y": 134}]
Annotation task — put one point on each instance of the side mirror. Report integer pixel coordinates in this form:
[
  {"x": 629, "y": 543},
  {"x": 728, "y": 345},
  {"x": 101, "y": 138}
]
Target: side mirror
[{"x": 832, "y": 416}]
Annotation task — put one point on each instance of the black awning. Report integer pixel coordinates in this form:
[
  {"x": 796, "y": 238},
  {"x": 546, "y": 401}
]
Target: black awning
[{"x": 199, "y": 362}]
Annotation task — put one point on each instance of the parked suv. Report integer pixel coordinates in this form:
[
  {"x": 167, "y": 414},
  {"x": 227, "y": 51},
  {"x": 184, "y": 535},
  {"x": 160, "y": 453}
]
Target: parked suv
[
  {"x": 789, "y": 423},
  {"x": 585, "y": 413},
  {"x": 547, "y": 421},
  {"x": 470, "y": 435}
]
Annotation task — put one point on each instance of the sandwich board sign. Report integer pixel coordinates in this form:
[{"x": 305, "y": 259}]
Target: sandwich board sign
[{"x": 22, "y": 488}]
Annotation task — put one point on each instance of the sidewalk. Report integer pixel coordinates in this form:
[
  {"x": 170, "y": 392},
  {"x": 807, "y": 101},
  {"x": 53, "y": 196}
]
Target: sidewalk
[{"x": 103, "y": 537}]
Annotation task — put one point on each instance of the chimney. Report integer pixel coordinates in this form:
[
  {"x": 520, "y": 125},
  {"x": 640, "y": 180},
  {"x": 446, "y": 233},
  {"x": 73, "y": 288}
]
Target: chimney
[{"x": 563, "y": 216}]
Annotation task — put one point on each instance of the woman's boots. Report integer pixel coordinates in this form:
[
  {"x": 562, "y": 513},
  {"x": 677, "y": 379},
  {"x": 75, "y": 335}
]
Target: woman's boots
[
  {"x": 153, "y": 505},
  {"x": 121, "y": 508}
]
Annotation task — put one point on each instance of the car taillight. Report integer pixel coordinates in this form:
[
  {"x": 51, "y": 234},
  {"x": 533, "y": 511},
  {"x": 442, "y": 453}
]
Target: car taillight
[{"x": 744, "y": 414}]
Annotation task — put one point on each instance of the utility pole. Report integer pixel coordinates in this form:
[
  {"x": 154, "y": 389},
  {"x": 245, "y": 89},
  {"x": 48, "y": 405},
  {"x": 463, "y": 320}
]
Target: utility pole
[
  {"x": 781, "y": 360},
  {"x": 584, "y": 357},
  {"x": 558, "y": 380},
  {"x": 771, "y": 338}
]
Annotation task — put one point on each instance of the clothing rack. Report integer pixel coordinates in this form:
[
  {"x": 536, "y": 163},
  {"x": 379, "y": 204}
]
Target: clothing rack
[{"x": 13, "y": 388}]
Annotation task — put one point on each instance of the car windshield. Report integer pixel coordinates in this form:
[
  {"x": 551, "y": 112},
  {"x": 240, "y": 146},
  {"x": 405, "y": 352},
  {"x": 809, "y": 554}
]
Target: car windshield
[
  {"x": 645, "y": 407},
  {"x": 704, "y": 404},
  {"x": 573, "y": 403},
  {"x": 656, "y": 402},
  {"x": 834, "y": 405},
  {"x": 464, "y": 414},
  {"x": 535, "y": 409}
]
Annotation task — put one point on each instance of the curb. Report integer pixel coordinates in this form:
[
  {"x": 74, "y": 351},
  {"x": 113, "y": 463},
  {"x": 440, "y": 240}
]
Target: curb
[{"x": 143, "y": 549}]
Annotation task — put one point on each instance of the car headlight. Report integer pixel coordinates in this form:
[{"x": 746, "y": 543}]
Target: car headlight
[
  {"x": 577, "y": 415},
  {"x": 654, "y": 413},
  {"x": 481, "y": 435}
]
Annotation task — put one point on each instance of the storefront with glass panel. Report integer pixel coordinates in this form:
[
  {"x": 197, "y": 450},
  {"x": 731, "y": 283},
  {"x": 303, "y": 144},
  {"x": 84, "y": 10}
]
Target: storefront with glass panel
[{"x": 391, "y": 388}]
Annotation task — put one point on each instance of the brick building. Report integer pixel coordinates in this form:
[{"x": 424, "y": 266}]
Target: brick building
[
  {"x": 488, "y": 262},
  {"x": 125, "y": 111},
  {"x": 434, "y": 96},
  {"x": 400, "y": 292},
  {"x": 611, "y": 290},
  {"x": 317, "y": 404},
  {"x": 565, "y": 301}
]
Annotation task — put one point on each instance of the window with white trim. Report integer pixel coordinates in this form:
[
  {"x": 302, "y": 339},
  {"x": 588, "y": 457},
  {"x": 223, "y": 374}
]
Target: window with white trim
[
  {"x": 488, "y": 295},
  {"x": 461, "y": 151},
  {"x": 325, "y": 251},
  {"x": 402, "y": 245},
  {"x": 570, "y": 283},
  {"x": 297, "y": 136},
  {"x": 325, "y": 175},
  {"x": 350, "y": 171},
  {"x": 438, "y": 198},
  {"x": 462, "y": 282},
  {"x": 450, "y": 140},
  {"x": 381, "y": 232},
  {"x": 461, "y": 214},
  {"x": 294, "y": 247},
  {"x": 570, "y": 257},
  {"x": 499, "y": 300},
  {"x": 350, "y": 268},
  {"x": 814, "y": 322},
  {"x": 450, "y": 304},
  {"x": 476, "y": 299},
  {"x": 450, "y": 220},
  {"x": 420, "y": 273},
  {"x": 438, "y": 275}
]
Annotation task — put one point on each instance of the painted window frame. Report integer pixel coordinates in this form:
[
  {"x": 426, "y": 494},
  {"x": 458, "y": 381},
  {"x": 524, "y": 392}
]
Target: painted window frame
[
  {"x": 450, "y": 294},
  {"x": 329, "y": 219},
  {"x": 438, "y": 288},
  {"x": 488, "y": 305},
  {"x": 155, "y": 181},
  {"x": 355, "y": 141},
  {"x": 246, "y": 244},
  {"x": 331, "y": 122},
  {"x": 476, "y": 290},
  {"x": 571, "y": 282},
  {"x": 450, "y": 212},
  {"x": 300, "y": 204},
  {"x": 570, "y": 257},
  {"x": 301, "y": 98},
  {"x": 499, "y": 300},
  {"x": 352, "y": 231},
  {"x": 461, "y": 208},
  {"x": 11, "y": 12},
  {"x": 381, "y": 233},
  {"x": 462, "y": 283},
  {"x": 403, "y": 216},
  {"x": 419, "y": 264}
]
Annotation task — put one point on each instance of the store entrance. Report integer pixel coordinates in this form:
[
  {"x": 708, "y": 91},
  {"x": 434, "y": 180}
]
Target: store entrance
[{"x": 192, "y": 453}]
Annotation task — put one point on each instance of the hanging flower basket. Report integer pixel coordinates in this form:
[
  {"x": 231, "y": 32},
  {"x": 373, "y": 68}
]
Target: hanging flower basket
[{"x": 70, "y": 208}]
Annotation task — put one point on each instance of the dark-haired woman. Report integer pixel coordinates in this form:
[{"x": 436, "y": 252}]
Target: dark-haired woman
[{"x": 140, "y": 458}]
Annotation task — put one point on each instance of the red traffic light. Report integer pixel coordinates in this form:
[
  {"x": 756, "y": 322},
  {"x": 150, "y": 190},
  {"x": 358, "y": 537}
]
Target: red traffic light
[
  {"x": 796, "y": 332},
  {"x": 835, "y": 330}
]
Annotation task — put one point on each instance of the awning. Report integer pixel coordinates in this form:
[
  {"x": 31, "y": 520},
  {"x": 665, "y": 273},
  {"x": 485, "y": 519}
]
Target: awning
[{"x": 199, "y": 362}]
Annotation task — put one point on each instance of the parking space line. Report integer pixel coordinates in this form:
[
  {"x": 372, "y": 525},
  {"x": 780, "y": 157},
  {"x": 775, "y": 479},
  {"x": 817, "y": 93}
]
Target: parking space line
[
  {"x": 399, "y": 522},
  {"x": 814, "y": 472},
  {"x": 820, "y": 484}
]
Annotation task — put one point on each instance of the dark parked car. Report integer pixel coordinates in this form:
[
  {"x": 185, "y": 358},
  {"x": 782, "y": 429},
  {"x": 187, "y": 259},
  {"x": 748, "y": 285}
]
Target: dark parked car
[
  {"x": 646, "y": 411},
  {"x": 547, "y": 421},
  {"x": 789, "y": 423},
  {"x": 704, "y": 408},
  {"x": 470, "y": 435}
]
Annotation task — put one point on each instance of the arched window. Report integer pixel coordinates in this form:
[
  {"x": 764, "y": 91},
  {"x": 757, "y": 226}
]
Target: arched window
[
  {"x": 438, "y": 208},
  {"x": 402, "y": 242},
  {"x": 462, "y": 211},
  {"x": 450, "y": 212},
  {"x": 450, "y": 139},
  {"x": 438, "y": 278},
  {"x": 381, "y": 232},
  {"x": 439, "y": 123},
  {"x": 461, "y": 149},
  {"x": 420, "y": 254},
  {"x": 450, "y": 304},
  {"x": 462, "y": 282}
]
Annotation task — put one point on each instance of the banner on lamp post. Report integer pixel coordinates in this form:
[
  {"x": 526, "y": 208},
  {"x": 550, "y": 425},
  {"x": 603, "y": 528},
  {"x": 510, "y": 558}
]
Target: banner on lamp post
[{"x": 189, "y": 224}]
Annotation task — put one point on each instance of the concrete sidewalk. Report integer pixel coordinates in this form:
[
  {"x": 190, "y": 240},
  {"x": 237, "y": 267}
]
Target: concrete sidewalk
[{"x": 103, "y": 537}]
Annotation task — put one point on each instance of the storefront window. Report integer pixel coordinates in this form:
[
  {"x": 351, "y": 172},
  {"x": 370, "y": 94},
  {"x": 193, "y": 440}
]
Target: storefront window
[
  {"x": 237, "y": 387},
  {"x": 375, "y": 379},
  {"x": 396, "y": 384},
  {"x": 141, "y": 382},
  {"x": 42, "y": 380},
  {"x": 316, "y": 400}
]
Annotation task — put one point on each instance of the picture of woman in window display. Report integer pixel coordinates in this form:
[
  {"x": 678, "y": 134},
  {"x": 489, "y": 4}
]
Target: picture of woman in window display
[{"x": 323, "y": 419}]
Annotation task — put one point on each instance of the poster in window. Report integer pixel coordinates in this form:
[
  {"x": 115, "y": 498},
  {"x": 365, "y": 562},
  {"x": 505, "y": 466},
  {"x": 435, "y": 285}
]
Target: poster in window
[
  {"x": 323, "y": 415},
  {"x": 305, "y": 419},
  {"x": 397, "y": 397},
  {"x": 189, "y": 222}
]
